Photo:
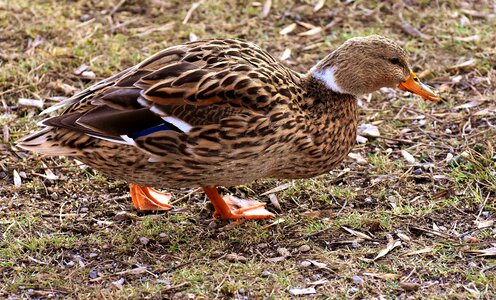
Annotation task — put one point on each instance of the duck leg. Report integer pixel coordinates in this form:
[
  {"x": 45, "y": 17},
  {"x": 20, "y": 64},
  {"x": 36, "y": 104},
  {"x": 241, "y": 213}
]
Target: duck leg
[
  {"x": 232, "y": 208},
  {"x": 147, "y": 198}
]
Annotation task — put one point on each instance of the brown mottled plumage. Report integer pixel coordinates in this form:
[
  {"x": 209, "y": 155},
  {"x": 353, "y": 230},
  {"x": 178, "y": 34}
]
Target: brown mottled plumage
[{"x": 227, "y": 113}]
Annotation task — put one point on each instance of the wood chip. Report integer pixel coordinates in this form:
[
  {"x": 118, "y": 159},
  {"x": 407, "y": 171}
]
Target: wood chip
[
  {"x": 17, "y": 179},
  {"x": 358, "y": 158},
  {"x": 89, "y": 74},
  {"x": 266, "y": 8},
  {"x": 79, "y": 70},
  {"x": 5, "y": 133},
  {"x": 463, "y": 65},
  {"x": 275, "y": 202},
  {"x": 318, "y": 5},
  {"x": 369, "y": 130},
  {"x": 30, "y": 102},
  {"x": 288, "y": 29},
  {"x": 310, "y": 32},
  {"x": 305, "y": 291},
  {"x": 407, "y": 156}
]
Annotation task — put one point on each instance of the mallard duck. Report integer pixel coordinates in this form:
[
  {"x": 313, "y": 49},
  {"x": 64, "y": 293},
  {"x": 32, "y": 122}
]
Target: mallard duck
[{"x": 222, "y": 113}]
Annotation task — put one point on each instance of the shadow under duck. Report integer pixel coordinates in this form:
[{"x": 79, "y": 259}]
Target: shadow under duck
[{"x": 222, "y": 113}]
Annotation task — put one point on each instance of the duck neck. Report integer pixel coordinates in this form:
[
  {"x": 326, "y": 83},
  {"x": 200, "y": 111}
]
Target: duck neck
[{"x": 322, "y": 97}]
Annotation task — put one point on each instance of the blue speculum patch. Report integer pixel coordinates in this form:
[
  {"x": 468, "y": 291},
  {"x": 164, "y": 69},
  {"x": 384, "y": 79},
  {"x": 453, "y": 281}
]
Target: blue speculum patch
[{"x": 164, "y": 126}]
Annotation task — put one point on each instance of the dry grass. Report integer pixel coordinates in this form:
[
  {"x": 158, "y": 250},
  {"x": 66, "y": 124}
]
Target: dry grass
[{"x": 78, "y": 236}]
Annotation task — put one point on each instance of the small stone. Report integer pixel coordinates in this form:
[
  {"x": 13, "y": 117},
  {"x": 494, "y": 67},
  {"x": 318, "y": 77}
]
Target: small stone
[
  {"x": 355, "y": 244},
  {"x": 144, "y": 240},
  {"x": 263, "y": 245},
  {"x": 417, "y": 171},
  {"x": 162, "y": 234},
  {"x": 119, "y": 282},
  {"x": 266, "y": 273},
  {"x": 353, "y": 290},
  {"x": 485, "y": 214},
  {"x": 472, "y": 264},
  {"x": 23, "y": 174},
  {"x": 54, "y": 196},
  {"x": 357, "y": 280},
  {"x": 283, "y": 252},
  {"x": 93, "y": 274},
  {"x": 233, "y": 257},
  {"x": 242, "y": 291},
  {"x": 304, "y": 248},
  {"x": 83, "y": 210},
  {"x": 93, "y": 254},
  {"x": 164, "y": 281},
  {"x": 84, "y": 17},
  {"x": 409, "y": 286},
  {"x": 305, "y": 264},
  {"x": 70, "y": 263}
]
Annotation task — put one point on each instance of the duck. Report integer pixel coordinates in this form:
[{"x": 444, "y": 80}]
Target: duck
[{"x": 222, "y": 112}]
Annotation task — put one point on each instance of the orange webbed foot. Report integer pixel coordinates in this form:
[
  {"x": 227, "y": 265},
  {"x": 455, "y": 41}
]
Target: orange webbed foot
[
  {"x": 147, "y": 198},
  {"x": 233, "y": 208}
]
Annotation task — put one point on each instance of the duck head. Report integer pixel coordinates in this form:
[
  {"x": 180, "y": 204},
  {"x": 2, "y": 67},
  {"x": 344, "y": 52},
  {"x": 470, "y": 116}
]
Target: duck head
[{"x": 365, "y": 64}]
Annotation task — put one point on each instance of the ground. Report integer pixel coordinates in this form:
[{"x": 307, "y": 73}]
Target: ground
[{"x": 408, "y": 215}]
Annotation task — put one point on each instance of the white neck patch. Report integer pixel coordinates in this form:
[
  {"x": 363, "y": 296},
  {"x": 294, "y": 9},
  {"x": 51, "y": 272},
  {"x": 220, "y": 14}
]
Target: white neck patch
[{"x": 327, "y": 77}]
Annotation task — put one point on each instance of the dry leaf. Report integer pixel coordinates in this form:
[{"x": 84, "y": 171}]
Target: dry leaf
[
  {"x": 421, "y": 251},
  {"x": 286, "y": 54},
  {"x": 310, "y": 32},
  {"x": 278, "y": 188},
  {"x": 318, "y": 264},
  {"x": 470, "y": 104},
  {"x": 193, "y": 7},
  {"x": 390, "y": 246},
  {"x": 318, "y": 5},
  {"x": 288, "y": 29},
  {"x": 266, "y": 8},
  {"x": 79, "y": 70},
  {"x": 357, "y": 233},
  {"x": 17, "y": 179},
  {"x": 484, "y": 252},
  {"x": 485, "y": 224},
  {"x": 386, "y": 276}
]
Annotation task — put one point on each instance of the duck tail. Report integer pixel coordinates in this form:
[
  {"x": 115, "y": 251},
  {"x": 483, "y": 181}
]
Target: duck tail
[{"x": 43, "y": 142}]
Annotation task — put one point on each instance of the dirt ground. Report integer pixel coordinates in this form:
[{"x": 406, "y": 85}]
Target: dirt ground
[{"x": 409, "y": 215}]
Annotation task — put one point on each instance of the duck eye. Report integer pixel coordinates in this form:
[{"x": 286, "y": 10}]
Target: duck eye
[{"x": 395, "y": 61}]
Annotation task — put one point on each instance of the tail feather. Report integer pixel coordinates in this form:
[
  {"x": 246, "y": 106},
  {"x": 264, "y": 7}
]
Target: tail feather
[{"x": 43, "y": 142}]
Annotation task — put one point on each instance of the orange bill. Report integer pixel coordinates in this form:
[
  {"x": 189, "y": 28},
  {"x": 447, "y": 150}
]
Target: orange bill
[{"x": 413, "y": 84}]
